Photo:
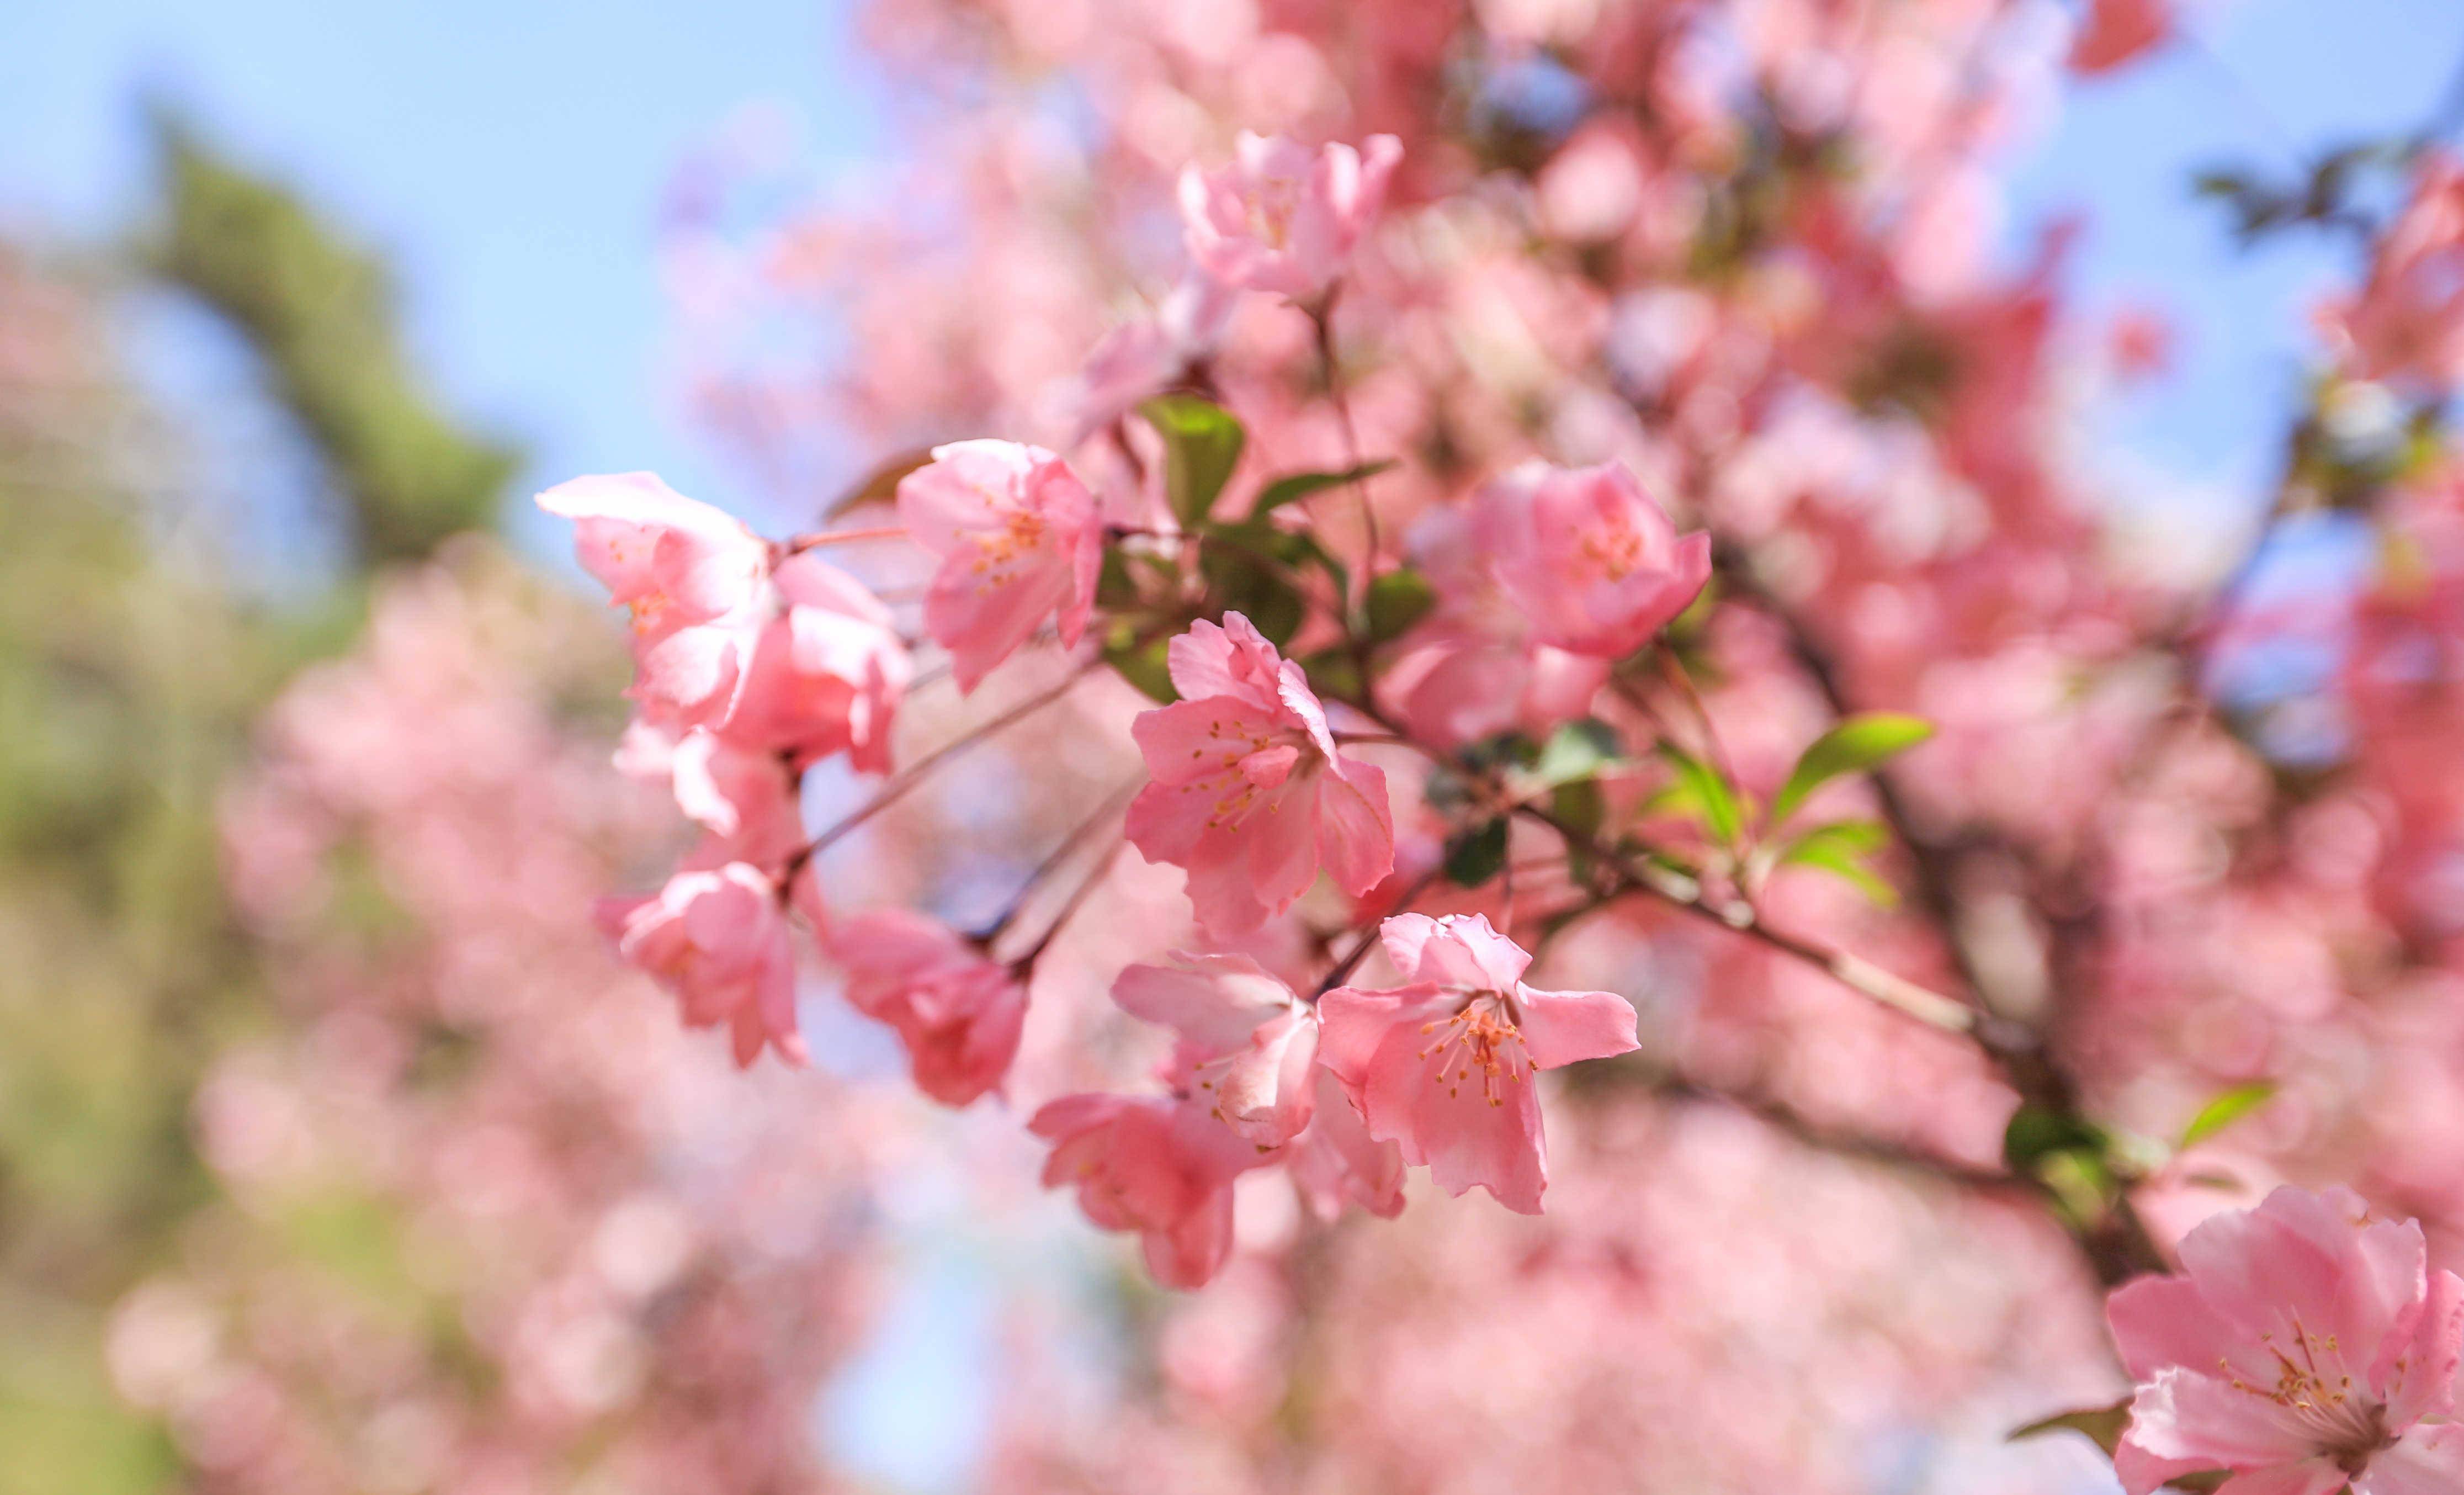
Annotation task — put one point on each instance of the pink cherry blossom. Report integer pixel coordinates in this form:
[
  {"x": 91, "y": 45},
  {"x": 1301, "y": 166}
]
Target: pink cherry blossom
[
  {"x": 957, "y": 1012},
  {"x": 828, "y": 673},
  {"x": 744, "y": 797},
  {"x": 1407, "y": 1057},
  {"x": 1337, "y": 1162},
  {"x": 2117, "y": 31},
  {"x": 2406, "y": 321},
  {"x": 1019, "y": 537},
  {"x": 1145, "y": 357},
  {"x": 694, "y": 577},
  {"x": 1159, "y": 1166},
  {"x": 1282, "y": 218},
  {"x": 718, "y": 940},
  {"x": 1248, "y": 1046},
  {"x": 2305, "y": 1346},
  {"x": 1248, "y": 792},
  {"x": 1587, "y": 556}
]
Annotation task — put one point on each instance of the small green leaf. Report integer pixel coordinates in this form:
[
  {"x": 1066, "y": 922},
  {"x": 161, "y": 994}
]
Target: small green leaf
[
  {"x": 1577, "y": 750},
  {"x": 1581, "y": 808},
  {"x": 1702, "y": 791},
  {"x": 1297, "y": 486},
  {"x": 2037, "y": 1135},
  {"x": 1247, "y": 577},
  {"x": 1398, "y": 599},
  {"x": 1851, "y": 747},
  {"x": 2227, "y": 1108},
  {"x": 1202, "y": 444},
  {"x": 1333, "y": 675},
  {"x": 1116, "y": 589},
  {"x": 1141, "y": 663},
  {"x": 1841, "y": 848},
  {"x": 2102, "y": 1425},
  {"x": 1477, "y": 855},
  {"x": 879, "y": 484}
]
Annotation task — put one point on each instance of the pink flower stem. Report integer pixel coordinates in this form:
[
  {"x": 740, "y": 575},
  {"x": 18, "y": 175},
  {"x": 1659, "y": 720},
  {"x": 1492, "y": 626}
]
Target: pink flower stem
[
  {"x": 1025, "y": 965},
  {"x": 815, "y": 539},
  {"x": 1110, "y": 805},
  {"x": 904, "y": 780}
]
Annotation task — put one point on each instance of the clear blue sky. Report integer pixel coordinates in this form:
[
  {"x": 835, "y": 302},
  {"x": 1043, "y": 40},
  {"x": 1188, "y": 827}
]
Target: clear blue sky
[{"x": 509, "y": 156}]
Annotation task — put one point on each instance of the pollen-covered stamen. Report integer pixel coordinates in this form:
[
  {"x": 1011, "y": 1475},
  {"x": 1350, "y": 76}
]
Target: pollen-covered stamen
[
  {"x": 1022, "y": 531},
  {"x": 1483, "y": 1037},
  {"x": 1239, "y": 791},
  {"x": 2313, "y": 1384},
  {"x": 1618, "y": 549}
]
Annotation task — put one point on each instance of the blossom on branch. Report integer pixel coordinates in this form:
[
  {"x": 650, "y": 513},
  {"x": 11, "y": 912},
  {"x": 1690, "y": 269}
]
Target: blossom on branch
[
  {"x": 1282, "y": 218},
  {"x": 1442, "y": 1066},
  {"x": 1247, "y": 793},
  {"x": 1248, "y": 1046},
  {"x": 718, "y": 940},
  {"x": 1587, "y": 559},
  {"x": 957, "y": 1013},
  {"x": 2305, "y": 1347},
  {"x": 1151, "y": 1164},
  {"x": 1019, "y": 538}
]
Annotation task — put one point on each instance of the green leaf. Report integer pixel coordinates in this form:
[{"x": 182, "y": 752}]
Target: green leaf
[
  {"x": 1249, "y": 580},
  {"x": 1202, "y": 444},
  {"x": 1581, "y": 808},
  {"x": 1577, "y": 750},
  {"x": 1853, "y": 746},
  {"x": 2037, "y": 1135},
  {"x": 1701, "y": 792},
  {"x": 879, "y": 484},
  {"x": 1841, "y": 848},
  {"x": 2102, "y": 1425},
  {"x": 1297, "y": 486},
  {"x": 1398, "y": 599},
  {"x": 1477, "y": 855},
  {"x": 1116, "y": 589},
  {"x": 1141, "y": 663},
  {"x": 1333, "y": 675},
  {"x": 2227, "y": 1108}
]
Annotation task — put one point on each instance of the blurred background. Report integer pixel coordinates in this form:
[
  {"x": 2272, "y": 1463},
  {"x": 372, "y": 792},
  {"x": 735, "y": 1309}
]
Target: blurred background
[{"x": 296, "y": 298}]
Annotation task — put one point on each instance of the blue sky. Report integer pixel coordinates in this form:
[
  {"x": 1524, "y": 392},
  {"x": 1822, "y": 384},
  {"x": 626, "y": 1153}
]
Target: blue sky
[{"x": 509, "y": 156}]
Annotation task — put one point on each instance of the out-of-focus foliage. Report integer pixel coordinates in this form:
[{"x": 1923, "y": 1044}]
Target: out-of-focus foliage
[
  {"x": 130, "y": 676},
  {"x": 321, "y": 312}
]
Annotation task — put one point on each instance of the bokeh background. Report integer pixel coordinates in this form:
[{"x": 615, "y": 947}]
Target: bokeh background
[{"x": 291, "y": 295}]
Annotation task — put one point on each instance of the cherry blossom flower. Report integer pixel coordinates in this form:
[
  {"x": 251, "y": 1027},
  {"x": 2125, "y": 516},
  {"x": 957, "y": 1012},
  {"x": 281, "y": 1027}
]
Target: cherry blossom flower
[
  {"x": 1151, "y": 354},
  {"x": 828, "y": 673},
  {"x": 744, "y": 797},
  {"x": 2305, "y": 1347},
  {"x": 1248, "y": 1046},
  {"x": 1442, "y": 1066},
  {"x": 694, "y": 578},
  {"x": 718, "y": 940},
  {"x": 1336, "y": 1161},
  {"x": 1282, "y": 218},
  {"x": 1019, "y": 537},
  {"x": 957, "y": 1013},
  {"x": 1156, "y": 1165},
  {"x": 2406, "y": 322},
  {"x": 2117, "y": 31},
  {"x": 1248, "y": 792},
  {"x": 1587, "y": 556}
]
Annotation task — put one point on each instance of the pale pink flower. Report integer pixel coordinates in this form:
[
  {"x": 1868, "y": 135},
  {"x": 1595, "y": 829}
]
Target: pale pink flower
[
  {"x": 744, "y": 797},
  {"x": 1587, "y": 556},
  {"x": 1283, "y": 218},
  {"x": 2407, "y": 322},
  {"x": 718, "y": 940},
  {"x": 1443, "y": 1066},
  {"x": 1158, "y": 1166},
  {"x": 2118, "y": 31},
  {"x": 1248, "y": 794},
  {"x": 1143, "y": 358},
  {"x": 828, "y": 673},
  {"x": 1337, "y": 1162},
  {"x": 1248, "y": 1046},
  {"x": 1019, "y": 538},
  {"x": 695, "y": 579},
  {"x": 957, "y": 1012},
  {"x": 2305, "y": 1347}
]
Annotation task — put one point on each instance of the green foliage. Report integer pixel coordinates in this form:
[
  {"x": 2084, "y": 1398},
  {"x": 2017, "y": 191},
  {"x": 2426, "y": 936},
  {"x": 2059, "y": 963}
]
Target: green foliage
[
  {"x": 1841, "y": 848},
  {"x": 320, "y": 313},
  {"x": 2225, "y": 1109},
  {"x": 1201, "y": 443},
  {"x": 1398, "y": 599},
  {"x": 1701, "y": 793},
  {"x": 1298, "y": 486},
  {"x": 1478, "y": 854},
  {"x": 1854, "y": 746}
]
